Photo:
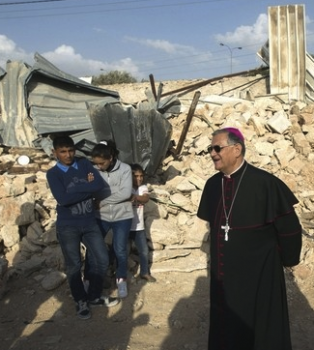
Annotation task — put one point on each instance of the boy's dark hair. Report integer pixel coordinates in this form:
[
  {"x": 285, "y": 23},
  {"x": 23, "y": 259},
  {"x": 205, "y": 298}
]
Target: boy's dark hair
[
  {"x": 105, "y": 149},
  {"x": 62, "y": 141},
  {"x": 137, "y": 167}
]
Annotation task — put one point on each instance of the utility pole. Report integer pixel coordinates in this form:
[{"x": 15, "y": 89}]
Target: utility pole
[{"x": 231, "y": 49}]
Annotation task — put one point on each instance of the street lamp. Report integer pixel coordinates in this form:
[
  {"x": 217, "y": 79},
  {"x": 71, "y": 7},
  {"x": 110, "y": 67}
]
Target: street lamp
[{"x": 231, "y": 52}]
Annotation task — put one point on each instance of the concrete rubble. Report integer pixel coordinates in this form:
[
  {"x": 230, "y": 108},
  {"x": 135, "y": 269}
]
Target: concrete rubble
[{"x": 280, "y": 139}]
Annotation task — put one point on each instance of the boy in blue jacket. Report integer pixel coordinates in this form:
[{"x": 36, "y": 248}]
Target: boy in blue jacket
[{"x": 72, "y": 182}]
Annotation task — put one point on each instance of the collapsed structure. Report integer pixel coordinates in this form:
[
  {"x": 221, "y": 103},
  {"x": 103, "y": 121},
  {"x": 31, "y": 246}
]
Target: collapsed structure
[{"x": 41, "y": 101}]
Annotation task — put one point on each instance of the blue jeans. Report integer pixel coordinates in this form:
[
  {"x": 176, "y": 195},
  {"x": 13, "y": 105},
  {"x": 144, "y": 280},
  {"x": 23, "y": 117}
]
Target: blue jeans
[
  {"x": 120, "y": 239},
  {"x": 139, "y": 238},
  {"x": 70, "y": 239}
]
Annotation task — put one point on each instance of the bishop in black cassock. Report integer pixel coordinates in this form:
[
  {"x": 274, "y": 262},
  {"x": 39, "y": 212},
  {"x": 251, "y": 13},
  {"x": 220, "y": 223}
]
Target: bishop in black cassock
[{"x": 254, "y": 232}]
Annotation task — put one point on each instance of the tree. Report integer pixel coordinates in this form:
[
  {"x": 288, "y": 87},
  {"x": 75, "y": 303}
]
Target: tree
[{"x": 113, "y": 77}]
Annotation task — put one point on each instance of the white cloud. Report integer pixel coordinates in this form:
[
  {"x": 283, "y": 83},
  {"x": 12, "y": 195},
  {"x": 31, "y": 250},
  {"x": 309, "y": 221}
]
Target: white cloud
[
  {"x": 99, "y": 30},
  {"x": 257, "y": 34},
  {"x": 10, "y": 51},
  {"x": 66, "y": 59},
  {"x": 308, "y": 20},
  {"x": 169, "y": 57},
  {"x": 163, "y": 45},
  {"x": 6, "y": 45},
  {"x": 246, "y": 36}
]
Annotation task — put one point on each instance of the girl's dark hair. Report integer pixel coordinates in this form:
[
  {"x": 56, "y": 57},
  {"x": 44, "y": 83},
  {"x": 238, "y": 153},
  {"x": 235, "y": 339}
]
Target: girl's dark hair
[
  {"x": 105, "y": 149},
  {"x": 137, "y": 167}
]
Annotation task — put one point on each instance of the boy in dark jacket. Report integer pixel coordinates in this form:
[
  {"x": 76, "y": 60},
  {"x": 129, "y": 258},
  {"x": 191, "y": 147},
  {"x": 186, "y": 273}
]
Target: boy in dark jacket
[{"x": 72, "y": 182}]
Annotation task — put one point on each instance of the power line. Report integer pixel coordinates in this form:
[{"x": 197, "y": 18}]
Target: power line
[
  {"x": 168, "y": 63},
  {"x": 115, "y": 4},
  {"x": 27, "y": 2},
  {"x": 207, "y": 62}
]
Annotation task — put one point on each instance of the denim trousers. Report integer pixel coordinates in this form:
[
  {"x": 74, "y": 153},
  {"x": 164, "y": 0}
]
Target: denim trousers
[
  {"x": 139, "y": 238},
  {"x": 70, "y": 239},
  {"x": 120, "y": 238}
]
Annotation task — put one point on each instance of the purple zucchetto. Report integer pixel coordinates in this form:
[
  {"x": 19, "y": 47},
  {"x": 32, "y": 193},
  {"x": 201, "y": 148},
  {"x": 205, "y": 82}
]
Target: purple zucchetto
[{"x": 235, "y": 132}]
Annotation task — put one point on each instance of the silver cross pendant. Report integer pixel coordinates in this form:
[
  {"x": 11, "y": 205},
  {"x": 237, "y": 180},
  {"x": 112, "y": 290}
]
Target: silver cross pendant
[{"x": 226, "y": 228}]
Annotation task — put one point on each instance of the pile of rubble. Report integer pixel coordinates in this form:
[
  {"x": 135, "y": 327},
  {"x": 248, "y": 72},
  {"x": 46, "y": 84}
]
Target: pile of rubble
[{"x": 279, "y": 138}]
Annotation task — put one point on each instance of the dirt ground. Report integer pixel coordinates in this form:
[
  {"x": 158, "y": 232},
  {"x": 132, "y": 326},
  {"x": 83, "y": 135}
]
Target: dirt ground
[{"x": 171, "y": 314}]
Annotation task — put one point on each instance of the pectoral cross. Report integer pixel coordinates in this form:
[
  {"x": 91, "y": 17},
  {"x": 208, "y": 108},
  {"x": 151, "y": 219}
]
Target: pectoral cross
[{"x": 226, "y": 228}]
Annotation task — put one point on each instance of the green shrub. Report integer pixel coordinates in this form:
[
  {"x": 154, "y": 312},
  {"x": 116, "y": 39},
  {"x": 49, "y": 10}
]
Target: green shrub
[{"x": 113, "y": 77}]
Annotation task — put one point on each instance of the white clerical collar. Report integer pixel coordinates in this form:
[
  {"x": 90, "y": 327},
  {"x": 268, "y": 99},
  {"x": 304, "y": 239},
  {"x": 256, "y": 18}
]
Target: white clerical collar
[{"x": 229, "y": 175}]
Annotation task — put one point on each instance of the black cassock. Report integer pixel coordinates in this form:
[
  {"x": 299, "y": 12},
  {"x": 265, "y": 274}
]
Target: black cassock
[{"x": 248, "y": 304}]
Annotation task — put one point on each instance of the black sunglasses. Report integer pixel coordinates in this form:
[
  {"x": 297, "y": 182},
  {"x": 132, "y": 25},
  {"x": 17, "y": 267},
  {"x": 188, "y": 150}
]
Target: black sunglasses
[{"x": 217, "y": 148}]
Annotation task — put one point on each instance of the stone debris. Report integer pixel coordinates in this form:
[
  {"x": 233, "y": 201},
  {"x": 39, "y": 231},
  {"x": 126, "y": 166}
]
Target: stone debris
[
  {"x": 53, "y": 280},
  {"x": 279, "y": 138}
]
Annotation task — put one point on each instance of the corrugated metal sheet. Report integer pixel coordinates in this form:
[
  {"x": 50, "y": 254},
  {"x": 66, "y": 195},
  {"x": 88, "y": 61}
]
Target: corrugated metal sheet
[
  {"x": 47, "y": 69},
  {"x": 287, "y": 50},
  {"x": 57, "y": 120},
  {"x": 142, "y": 136},
  {"x": 40, "y": 101},
  {"x": 15, "y": 129},
  {"x": 2, "y": 72},
  {"x": 309, "y": 81},
  {"x": 55, "y": 109}
]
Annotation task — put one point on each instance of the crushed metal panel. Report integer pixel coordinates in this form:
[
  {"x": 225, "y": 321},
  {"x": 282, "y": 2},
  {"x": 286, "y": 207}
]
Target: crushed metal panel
[
  {"x": 309, "y": 78},
  {"x": 2, "y": 72},
  {"x": 263, "y": 53},
  {"x": 16, "y": 128},
  {"x": 79, "y": 138},
  {"x": 60, "y": 108},
  {"x": 46, "y": 68},
  {"x": 287, "y": 50},
  {"x": 55, "y": 120},
  {"x": 168, "y": 106},
  {"x": 57, "y": 100},
  {"x": 34, "y": 101},
  {"x": 84, "y": 135},
  {"x": 142, "y": 136}
]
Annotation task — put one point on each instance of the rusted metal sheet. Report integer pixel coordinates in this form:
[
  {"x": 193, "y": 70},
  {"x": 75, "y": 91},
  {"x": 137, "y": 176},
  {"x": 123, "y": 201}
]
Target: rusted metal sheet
[{"x": 287, "y": 50}]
